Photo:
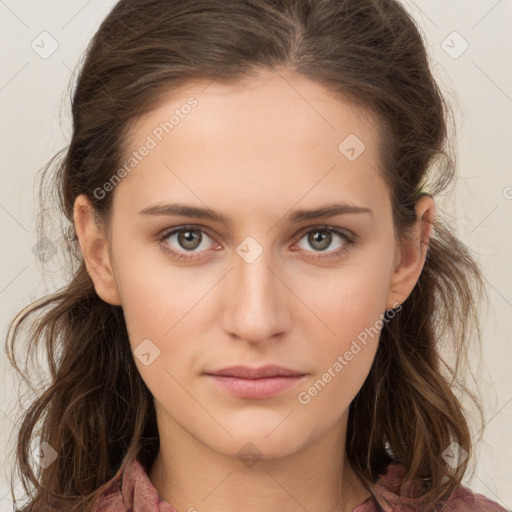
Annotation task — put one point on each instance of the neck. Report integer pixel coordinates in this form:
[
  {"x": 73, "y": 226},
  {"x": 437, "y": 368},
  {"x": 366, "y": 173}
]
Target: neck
[{"x": 191, "y": 476}]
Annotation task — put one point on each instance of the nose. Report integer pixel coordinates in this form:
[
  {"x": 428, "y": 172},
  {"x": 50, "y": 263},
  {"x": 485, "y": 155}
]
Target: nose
[{"x": 257, "y": 300}]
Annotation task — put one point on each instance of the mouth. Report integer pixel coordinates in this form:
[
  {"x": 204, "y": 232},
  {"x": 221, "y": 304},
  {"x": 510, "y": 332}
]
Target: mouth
[{"x": 256, "y": 383}]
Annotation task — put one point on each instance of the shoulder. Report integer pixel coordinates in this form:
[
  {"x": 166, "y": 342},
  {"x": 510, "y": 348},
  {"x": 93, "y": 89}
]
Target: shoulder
[{"x": 392, "y": 494}]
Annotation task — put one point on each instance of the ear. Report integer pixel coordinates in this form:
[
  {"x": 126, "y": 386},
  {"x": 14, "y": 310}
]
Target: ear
[
  {"x": 412, "y": 253},
  {"x": 94, "y": 248}
]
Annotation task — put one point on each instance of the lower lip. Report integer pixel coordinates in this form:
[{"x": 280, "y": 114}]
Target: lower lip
[{"x": 256, "y": 388}]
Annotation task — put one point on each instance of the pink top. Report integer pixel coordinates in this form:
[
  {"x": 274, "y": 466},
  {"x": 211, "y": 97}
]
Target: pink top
[{"x": 133, "y": 491}]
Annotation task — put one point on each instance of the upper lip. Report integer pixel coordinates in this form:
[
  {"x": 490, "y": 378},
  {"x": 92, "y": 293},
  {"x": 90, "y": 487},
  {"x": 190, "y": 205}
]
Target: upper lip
[{"x": 246, "y": 372}]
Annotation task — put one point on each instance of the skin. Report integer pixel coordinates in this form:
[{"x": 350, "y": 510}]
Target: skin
[{"x": 254, "y": 152}]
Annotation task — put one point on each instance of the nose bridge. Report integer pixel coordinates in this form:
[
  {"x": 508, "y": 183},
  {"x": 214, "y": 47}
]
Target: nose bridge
[{"x": 256, "y": 297}]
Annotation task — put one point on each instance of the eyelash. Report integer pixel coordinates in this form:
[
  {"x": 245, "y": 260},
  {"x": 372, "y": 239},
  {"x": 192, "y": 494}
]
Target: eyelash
[{"x": 183, "y": 257}]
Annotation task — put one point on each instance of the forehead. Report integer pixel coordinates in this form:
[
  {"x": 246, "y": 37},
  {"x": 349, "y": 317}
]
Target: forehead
[
  {"x": 305, "y": 107},
  {"x": 275, "y": 137}
]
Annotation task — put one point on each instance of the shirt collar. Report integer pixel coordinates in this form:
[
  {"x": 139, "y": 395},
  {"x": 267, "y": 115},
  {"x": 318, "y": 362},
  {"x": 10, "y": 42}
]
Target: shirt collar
[{"x": 135, "y": 492}]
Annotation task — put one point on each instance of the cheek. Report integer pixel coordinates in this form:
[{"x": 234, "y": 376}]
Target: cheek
[
  {"x": 159, "y": 317},
  {"x": 165, "y": 305},
  {"x": 145, "y": 306},
  {"x": 348, "y": 320},
  {"x": 326, "y": 399},
  {"x": 343, "y": 358},
  {"x": 154, "y": 294},
  {"x": 348, "y": 302}
]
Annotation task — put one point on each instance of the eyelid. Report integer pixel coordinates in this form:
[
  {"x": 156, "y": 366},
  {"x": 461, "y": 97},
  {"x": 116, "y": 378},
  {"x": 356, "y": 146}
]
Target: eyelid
[
  {"x": 183, "y": 227},
  {"x": 335, "y": 229}
]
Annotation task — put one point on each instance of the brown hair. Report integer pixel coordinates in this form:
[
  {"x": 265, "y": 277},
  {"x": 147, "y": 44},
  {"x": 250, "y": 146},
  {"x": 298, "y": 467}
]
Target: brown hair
[{"x": 96, "y": 410}]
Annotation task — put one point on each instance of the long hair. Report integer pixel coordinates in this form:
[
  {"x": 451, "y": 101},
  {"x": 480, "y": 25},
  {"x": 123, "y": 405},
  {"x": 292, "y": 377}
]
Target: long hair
[{"x": 96, "y": 410}]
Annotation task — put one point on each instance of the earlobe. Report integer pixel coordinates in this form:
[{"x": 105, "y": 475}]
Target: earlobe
[
  {"x": 412, "y": 255},
  {"x": 94, "y": 248}
]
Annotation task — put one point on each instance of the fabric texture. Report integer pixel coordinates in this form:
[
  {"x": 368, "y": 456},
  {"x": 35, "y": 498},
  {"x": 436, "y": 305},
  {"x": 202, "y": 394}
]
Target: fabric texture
[{"x": 131, "y": 490}]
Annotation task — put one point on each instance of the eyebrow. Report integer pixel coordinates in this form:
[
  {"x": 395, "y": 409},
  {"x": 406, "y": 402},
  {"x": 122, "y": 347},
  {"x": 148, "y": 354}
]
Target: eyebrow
[{"x": 296, "y": 216}]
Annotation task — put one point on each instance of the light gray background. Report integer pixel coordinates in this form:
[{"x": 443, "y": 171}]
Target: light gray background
[{"x": 478, "y": 82}]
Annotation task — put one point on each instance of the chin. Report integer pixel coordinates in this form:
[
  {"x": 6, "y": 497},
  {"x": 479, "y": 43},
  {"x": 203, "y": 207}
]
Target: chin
[{"x": 255, "y": 444}]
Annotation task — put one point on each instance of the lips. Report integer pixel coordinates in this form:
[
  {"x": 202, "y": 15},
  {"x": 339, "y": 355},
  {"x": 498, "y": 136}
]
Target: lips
[
  {"x": 256, "y": 383},
  {"x": 246, "y": 372}
]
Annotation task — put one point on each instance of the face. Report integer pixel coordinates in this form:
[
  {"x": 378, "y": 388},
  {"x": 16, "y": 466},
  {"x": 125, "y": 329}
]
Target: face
[{"x": 255, "y": 284}]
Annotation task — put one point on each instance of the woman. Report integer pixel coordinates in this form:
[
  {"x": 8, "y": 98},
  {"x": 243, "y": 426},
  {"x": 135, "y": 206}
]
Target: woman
[{"x": 261, "y": 281}]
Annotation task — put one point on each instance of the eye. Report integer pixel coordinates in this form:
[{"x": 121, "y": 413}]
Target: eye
[
  {"x": 321, "y": 238},
  {"x": 185, "y": 239}
]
